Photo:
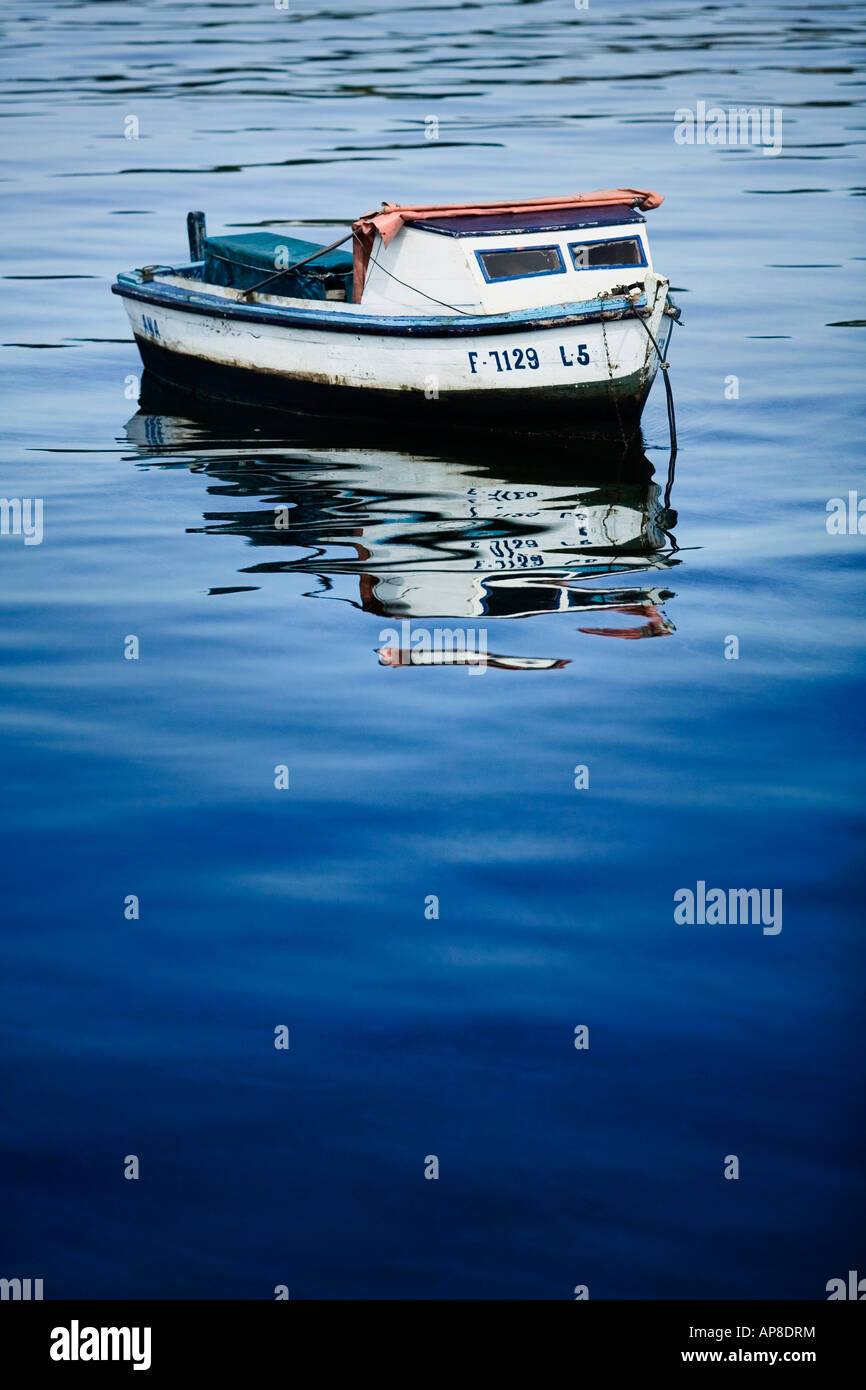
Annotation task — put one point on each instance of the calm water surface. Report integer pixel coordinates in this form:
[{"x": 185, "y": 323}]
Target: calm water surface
[{"x": 411, "y": 1035}]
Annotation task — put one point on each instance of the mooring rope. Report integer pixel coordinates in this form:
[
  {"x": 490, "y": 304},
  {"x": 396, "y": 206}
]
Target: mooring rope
[{"x": 665, "y": 367}]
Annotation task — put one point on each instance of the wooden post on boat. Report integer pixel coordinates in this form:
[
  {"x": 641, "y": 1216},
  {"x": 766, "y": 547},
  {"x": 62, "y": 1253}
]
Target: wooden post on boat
[{"x": 196, "y": 231}]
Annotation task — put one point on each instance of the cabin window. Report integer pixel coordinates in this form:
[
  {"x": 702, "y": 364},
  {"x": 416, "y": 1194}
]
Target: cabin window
[
  {"x": 607, "y": 255},
  {"x": 519, "y": 262}
]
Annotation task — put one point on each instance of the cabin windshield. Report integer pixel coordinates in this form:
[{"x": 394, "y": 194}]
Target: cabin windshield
[
  {"x": 520, "y": 261},
  {"x": 607, "y": 255}
]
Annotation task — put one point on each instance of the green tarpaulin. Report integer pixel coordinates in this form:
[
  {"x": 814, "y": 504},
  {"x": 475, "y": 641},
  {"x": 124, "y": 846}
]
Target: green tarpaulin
[{"x": 242, "y": 261}]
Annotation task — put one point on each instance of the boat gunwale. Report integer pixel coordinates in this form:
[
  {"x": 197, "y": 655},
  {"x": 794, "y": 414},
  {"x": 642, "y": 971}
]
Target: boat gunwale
[{"x": 377, "y": 325}]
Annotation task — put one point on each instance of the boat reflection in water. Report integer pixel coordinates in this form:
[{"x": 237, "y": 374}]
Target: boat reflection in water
[{"x": 465, "y": 532}]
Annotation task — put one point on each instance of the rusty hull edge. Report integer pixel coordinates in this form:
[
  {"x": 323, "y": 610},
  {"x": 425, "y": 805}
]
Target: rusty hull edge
[{"x": 547, "y": 407}]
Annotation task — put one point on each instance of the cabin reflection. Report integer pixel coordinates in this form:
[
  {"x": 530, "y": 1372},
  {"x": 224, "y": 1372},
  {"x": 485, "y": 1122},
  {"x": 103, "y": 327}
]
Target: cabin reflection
[{"x": 472, "y": 529}]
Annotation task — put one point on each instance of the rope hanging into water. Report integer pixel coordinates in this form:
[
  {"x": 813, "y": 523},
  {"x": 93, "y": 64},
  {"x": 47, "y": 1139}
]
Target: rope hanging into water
[
  {"x": 665, "y": 367},
  {"x": 632, "y": 292}
]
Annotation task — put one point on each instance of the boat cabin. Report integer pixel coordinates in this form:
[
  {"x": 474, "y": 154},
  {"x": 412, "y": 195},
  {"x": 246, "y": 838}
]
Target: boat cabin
[{"x": 497, "y": 262}]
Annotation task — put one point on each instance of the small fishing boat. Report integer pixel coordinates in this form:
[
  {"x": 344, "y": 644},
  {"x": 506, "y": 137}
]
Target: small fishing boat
[{"x": 532, "y": 315}]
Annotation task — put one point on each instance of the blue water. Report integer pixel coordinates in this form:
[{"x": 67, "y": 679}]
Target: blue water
[{"x": 413, "y": 1035}]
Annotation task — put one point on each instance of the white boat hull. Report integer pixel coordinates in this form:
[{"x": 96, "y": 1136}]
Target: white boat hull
[{"x": 556, "y": 370}]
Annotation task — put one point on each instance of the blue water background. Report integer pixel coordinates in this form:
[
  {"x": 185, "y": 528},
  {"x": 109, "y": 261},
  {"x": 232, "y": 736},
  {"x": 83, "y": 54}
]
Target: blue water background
[{"x": 409, "y": 1036}]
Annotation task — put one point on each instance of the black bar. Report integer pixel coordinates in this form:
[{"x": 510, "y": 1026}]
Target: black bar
[{"x": 222, "y": 1337}]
